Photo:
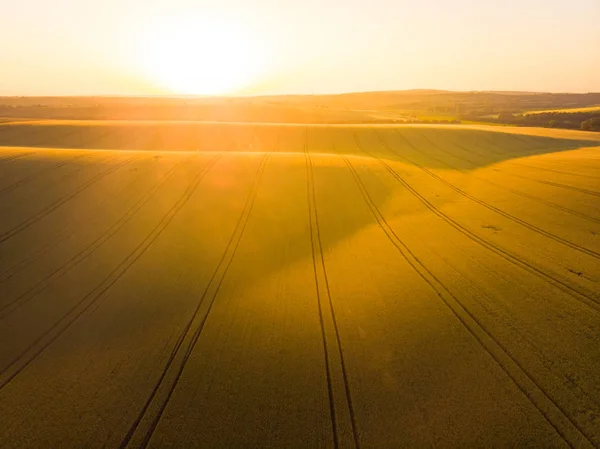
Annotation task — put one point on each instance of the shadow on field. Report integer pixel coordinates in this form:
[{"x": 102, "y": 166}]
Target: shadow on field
[
  {"x": 168, "y": 280},
  {"x": 433, "y": 147},
  {"x": 455, "y": 148},
  {"x": 278, "y": 233},
  {"x": 119, "y": 348}
]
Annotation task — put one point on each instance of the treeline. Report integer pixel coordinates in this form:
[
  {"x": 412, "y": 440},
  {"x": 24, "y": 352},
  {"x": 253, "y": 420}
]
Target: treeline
[
  {"x": 587, "y": 121},
  {"x": 477, "y": 104}
]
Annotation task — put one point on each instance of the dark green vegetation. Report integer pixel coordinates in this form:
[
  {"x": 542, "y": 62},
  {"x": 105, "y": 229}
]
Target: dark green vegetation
[
  {"x": 586, "y": 121},
  {"x": 592, "y": 124},
  {"x": 254, "y": 285}
]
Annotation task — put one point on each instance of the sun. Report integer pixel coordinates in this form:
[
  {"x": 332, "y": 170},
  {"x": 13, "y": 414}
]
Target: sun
[{"x": 189, "y": 57}]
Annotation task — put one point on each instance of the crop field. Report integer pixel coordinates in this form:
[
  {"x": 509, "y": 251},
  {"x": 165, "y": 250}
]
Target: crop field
[
  {"x": 585, "y": 109},
  {"x": 216, "y": 285}
]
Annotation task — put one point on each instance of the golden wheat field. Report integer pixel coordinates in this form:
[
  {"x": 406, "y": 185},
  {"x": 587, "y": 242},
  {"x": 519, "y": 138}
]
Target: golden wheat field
[
  {"x": 180, "y": 284},
  {"x": 565, "y": 110}
]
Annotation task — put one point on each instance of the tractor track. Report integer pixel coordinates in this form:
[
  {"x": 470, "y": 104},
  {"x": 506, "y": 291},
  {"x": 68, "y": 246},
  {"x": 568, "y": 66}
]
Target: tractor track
[
  {"x": 488, "y": 206},
  {"x": 578, "y": 294},
  {"x": 554, "y": 184},
  {"x": 35, "y": 175},
  {"x": 320, "y": 271},
  {"x": 191, "y": 332},
  {"x": 16, "y": 156},
  {"x": 537, "y": 167},
  {"x": 508, "y": 189},
  {"x": 56, "y": 204},
  {"x": 25, "y": 262},
  {"x": 554, "y": 414},
  {"x": 29, "y": 259},
  {"x": 86, "y": 302},
  {"x": 74, "y": 261}
]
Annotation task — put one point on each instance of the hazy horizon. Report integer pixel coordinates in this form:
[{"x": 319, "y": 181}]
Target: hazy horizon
[
  {"x": 178, "y": 47},
  {"x": 266, "y": 95}
]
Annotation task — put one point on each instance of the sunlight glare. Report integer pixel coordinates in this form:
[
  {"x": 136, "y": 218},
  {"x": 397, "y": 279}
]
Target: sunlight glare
[{"x": 201, "y": 58}]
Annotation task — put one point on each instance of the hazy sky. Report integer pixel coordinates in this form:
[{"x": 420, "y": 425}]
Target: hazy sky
[{"x": 297, "y": 46}]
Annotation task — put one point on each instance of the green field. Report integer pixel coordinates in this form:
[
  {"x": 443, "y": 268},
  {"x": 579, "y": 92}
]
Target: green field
[{"x": 187, "y": 284}]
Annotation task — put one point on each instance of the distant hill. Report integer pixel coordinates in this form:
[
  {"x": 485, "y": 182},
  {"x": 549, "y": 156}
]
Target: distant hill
[{"x": 353, "y": 107}]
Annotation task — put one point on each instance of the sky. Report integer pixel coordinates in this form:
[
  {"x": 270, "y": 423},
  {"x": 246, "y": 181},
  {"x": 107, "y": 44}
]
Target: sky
[{"x": 147, "y": 47}]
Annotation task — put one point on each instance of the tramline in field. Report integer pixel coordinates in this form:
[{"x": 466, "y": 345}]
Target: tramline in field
[{"x": 252, "y": 285}]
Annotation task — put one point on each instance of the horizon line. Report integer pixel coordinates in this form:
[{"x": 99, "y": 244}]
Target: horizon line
[{"x": 359, "y": 92}]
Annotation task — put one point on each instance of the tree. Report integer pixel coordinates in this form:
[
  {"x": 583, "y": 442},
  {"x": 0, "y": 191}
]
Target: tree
[
  {"x": 592, "y": 124},
  {"x": 505, "y": 116}
]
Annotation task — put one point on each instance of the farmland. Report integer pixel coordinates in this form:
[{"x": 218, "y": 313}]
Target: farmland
[
  {"x": 198, "y": 284},
  {"x": 356, "y": 107},
  {"x": 586, "y": 109}
]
